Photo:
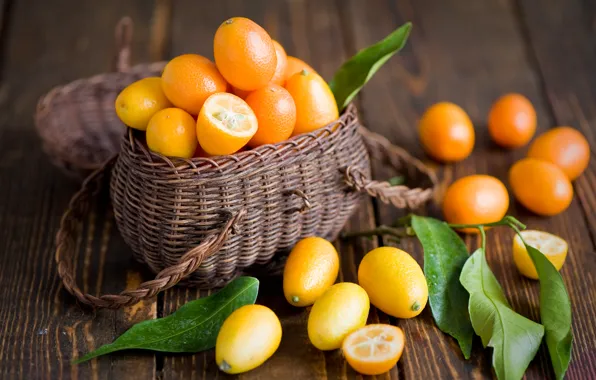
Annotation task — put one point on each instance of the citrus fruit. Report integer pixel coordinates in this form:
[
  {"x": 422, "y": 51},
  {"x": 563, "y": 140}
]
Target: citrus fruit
[
  {"x": 310, "y": 270},
  {"x": 280, "y": 68},
  {"x": 512, "y": 121},
  {"x": 139, "y": 101},
  {"x": 342, "y": 309},
  {"x": 540, "y": 186},
  {"x": 394, "y": 282},
  {"x": 475, "y": 199},
  {"x": 247, "y": 338},
  {"x": 552, "y": 246},
  {"x": 244, "y": 53},
  {"x": 276, "y": 114},
  {"x": 295, "y": 65},
  {"x": 240, "y": 93},
  {"x": 446, "y": 132},
  {"x": 188, "y": 80},
  {"x": 171, "y": 132},
  {"x": 565, "y": 147},
  {"x": 225, "y": 124},
  {"x": 374, "y": 349},
  {"x": 315, "y": 103}
]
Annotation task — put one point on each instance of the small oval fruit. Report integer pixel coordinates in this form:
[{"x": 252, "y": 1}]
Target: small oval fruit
[
  {"x": 374, "y": 349},
  {"x": 475, "y": 199},
  {"x": 279, "y": 77},
  {"x": 512, "y": 121},
  {"x": 342, "y": 309},
  {"x": 394, "y": 282},
  {"x": 189, "y": 79},
  {"x": 311, "y": 269},
  {"x": 565, "y": 147},
  {"x": 225, "y": 124},
  {"x": 553, "y": 247},
  {"x": 275, "y": 110},
  {"x": 295, "y": 65},
  {"x": 139, "y": 101},
  {"x": 244, "y": 53},
  {"x": 247, "y": 338},
  {"x": 446, "y": 132},
  {"x": 540, "y": 186},
  {"x": 315, "y": 103},
  {"x": 171, "y": 132}
]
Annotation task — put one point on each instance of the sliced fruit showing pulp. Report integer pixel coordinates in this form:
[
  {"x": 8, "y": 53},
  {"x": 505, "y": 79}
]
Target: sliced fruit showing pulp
[
  {"x": 225, "y": 124},
  {"x": 553, "y": 247},
  {"x": 374, "y": 349}
]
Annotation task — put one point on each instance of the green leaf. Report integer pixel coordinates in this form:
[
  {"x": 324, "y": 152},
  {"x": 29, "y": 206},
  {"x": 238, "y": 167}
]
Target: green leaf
[
  {"x": 444, "y": 257},
  {"x": 555, "y": 312},
  {"x": 358, "y": 70},
  {"x": 514, "y": 338},
  {"x": 192, "y": 328}
]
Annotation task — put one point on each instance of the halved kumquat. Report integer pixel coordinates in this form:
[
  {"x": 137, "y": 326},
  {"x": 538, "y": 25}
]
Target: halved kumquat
[
  {"x": 374, "y": 349},
  {"x": 225, "y": 124}
]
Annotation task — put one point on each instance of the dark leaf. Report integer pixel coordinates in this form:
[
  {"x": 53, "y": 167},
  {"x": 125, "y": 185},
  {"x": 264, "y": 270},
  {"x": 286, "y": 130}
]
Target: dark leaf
[
  {"x": 444, "y": 257},
  {"x": 192, "y": 328}
]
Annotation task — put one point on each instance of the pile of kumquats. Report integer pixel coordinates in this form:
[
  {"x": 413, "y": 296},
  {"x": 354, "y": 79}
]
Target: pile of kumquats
[{"x": 254, "y": 94}]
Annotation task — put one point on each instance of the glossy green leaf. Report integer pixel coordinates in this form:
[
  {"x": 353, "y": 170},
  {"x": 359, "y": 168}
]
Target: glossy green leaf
[
  {"x": 555, "y": 312},
  {"x": 444, "y": 257},
  {"x": 514, "y": 338},
  {"x": 192, "y": 328},
  {"x": 358, "y": 70}
]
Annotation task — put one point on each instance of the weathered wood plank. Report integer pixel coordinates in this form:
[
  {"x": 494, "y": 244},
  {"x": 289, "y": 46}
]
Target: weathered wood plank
[
  {"x": 43, "y": 328},
  {"x": 561, "y": 40},
  {"x": 312, "y": 31},
  {"x": 467, "y": 53}
]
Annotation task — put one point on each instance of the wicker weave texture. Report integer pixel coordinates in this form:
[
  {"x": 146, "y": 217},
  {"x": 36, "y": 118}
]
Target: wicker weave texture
[{"x": 289, "y": 191}]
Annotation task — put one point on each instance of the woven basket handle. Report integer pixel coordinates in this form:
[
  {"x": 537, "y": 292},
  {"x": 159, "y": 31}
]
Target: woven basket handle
[
  {"x": 123, "y": 36},
  {"x": 400, "y": 196},
  {"x": 66, "y": 249}
]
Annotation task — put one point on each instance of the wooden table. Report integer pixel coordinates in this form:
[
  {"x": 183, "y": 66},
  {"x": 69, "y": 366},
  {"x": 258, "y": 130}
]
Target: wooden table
[{"x": 467, "y": 52}]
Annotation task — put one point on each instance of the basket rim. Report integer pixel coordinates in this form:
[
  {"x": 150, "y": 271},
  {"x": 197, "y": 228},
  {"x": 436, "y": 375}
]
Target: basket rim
[{"x": 347, "y": 119}]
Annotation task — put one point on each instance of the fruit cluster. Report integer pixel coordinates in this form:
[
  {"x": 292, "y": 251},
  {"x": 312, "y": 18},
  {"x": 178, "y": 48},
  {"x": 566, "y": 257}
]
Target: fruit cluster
[
  {"x": 541, "y": 181},
  {"x": 254, "y": 94},
  {"x": 388, "y": 277}
]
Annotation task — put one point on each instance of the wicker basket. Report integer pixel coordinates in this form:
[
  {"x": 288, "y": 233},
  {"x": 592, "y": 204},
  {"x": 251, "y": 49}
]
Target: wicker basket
[{"x": 205, "y": 221}]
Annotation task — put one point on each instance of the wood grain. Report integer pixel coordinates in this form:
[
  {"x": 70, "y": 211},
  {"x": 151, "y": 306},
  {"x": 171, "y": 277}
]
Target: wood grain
[
  {"x": 439, "y": 65},
  {"x": 465, "y": 52},
  {"x": 566, "y": 70},
  {"x": 43, "y": 329}
]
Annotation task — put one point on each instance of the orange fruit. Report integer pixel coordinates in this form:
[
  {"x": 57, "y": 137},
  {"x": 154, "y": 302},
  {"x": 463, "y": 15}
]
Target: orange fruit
[
  {"x": 540, "y": 186},
  {"x": 553, "y": 247},
  {"x": 295, "y": 65},
  {"x": 244, "y": 53},
  {"x": 565, "y": 147},
  {"x": 240, "y": 93},
  {"x": 315, "y": 103},
  {"x": 188, "y": 80},
  {"x": 139, "y": 101},
  {"x": 311, "y": 269},
  {"x": 374, "y": 349},
  {"x": 225, "y": 124},
  {"x": 171, "y": 132},
  {"x": 276, "y": 113},
  {"x": 512, "y": 121},
  {"x": 446, "y": 132},
  {"x": 475, "y": 199},
  {"x": 282, "y": 61}
]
